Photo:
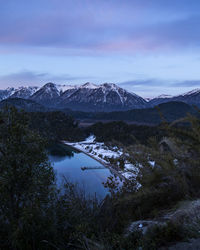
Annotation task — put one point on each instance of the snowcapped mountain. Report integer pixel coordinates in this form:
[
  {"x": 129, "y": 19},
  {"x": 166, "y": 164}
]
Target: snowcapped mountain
[
  {"x": 21, "y": 92},
  {"x": 192, "y": 92},
  {"x": 89, "y": 85},
  {"x": 24, "y": 92},
  {"x": 63, "y": 88},
  {"x": 159, "y": 100},
  {"x": 46, "y": 95},
  {"x": 88, "y": 97},
  {"x": 191, "y": 97},
  {"x": 104, "y": 97},
  {"x": 92, "y": 97},
  {"x": 6, "y": 93}
]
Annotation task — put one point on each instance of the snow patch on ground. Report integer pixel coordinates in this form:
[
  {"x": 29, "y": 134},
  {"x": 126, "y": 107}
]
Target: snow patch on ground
[{"x": 105, "y": 154}]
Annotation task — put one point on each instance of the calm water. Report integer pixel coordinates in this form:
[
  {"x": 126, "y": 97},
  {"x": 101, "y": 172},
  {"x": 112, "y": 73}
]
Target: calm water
[{"x": 70, "y": 165}]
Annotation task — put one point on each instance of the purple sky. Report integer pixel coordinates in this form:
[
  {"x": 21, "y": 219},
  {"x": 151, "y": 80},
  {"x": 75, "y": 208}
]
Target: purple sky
[{"x": 147, "y": 46}]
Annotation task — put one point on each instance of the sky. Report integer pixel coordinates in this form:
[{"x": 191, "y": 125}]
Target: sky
[{"x": 149, "y": 47}]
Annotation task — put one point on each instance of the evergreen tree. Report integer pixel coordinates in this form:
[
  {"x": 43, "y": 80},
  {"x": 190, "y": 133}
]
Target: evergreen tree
[{"x": 26, "y": 182}]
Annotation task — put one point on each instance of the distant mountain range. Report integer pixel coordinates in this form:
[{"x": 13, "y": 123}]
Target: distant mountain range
[
  {"x": 86, "y": 97},
  {"x": 192, "y": 98},
  {"x": 89, "y": 97},
  {"x": 21, "y": 92}
]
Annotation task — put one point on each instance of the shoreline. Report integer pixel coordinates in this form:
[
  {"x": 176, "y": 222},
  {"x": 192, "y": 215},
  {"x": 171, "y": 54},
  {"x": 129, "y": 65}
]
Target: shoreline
[{"x": 106, "y": 165}]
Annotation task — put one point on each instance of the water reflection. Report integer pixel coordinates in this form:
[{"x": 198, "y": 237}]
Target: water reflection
[
  {"x": 68, "y": 163},
  {"x": 61, "y": 150}
]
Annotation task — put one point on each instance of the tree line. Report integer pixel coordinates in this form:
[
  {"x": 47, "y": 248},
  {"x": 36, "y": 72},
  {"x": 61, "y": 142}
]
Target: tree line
[{"x": 35, "y": 214}]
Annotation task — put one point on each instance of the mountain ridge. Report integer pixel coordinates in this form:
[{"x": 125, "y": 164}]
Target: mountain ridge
[
  {"x": 192, "y": 98},
  {"x": 92, "y": 97},
  {"x": 87, "y": 97}
]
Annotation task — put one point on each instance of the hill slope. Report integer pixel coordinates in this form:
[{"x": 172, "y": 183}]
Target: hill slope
[{"x": 170, "y": 111}]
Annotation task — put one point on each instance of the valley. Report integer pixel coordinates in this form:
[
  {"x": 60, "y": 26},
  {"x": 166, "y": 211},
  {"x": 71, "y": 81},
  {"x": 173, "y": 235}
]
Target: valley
[
  {"x": 112, "y": 156},
  {"x": 100, "y": 125}
]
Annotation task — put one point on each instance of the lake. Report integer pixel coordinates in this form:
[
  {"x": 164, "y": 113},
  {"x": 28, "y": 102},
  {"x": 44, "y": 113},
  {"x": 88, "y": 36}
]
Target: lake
[{"x": 69, "y": 163}]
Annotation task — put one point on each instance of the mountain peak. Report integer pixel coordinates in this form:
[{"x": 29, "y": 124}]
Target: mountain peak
[
  {"x": 49, "y": 85},
  {"x": 47, "y": 94},
  {"x": 192, "y": 97},
  {"x": 85, "y": 97},
  {"x": 89, "y": 85},
  {"x": 104, "y": 97},
  {"x": 24, "y": 92},
  {"x": 110, "y": 85}
]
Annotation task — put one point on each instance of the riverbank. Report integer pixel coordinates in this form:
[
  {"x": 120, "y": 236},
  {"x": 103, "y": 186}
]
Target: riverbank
[
  {"x": 106, "y": 165},
  {"x": 104, "y": 155}
]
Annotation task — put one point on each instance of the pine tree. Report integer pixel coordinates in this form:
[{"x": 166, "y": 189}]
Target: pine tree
[{"x": 26, "y": 181}]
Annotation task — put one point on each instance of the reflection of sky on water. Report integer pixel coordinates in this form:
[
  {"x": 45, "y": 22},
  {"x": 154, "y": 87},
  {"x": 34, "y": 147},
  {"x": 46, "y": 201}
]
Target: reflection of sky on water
[
  {"x": 89, "y": 180},
  {"x": 54, "y": 158}
]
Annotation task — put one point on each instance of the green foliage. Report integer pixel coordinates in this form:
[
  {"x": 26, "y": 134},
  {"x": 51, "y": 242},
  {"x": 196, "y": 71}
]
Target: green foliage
[
  {"x": 155, "y": 237},
  {"x": 169, "y": 173},
  {"x": 171, "y": 111},
  {"x": 35, "y": 215},
  {"x": 26, "y": 181},
  {"x": 158, "y": 236},
  {"x": 116, "y": 241},
  {"x": 60, "y": 149},
  {"x": 55, "y": 126},
  {"x": 123, "y": 133}
]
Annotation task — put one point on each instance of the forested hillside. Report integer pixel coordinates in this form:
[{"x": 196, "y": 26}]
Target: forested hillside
[
  {"x": 169, "y": 111},
  {"x": 145, "y": 212},
  {"x": 126, "y": 134},
  {"x": 56, "y": 126}
]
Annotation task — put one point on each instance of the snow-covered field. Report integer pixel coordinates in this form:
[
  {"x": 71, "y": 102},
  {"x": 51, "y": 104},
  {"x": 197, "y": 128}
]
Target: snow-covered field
[{"x": 105, "y": 155}]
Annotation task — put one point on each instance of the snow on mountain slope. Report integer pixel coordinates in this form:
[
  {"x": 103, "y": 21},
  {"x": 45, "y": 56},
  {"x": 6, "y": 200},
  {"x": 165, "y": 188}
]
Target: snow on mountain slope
[
  {"x": 92, "y": 97},
  {"x": 192, "y": 92},
  {"x": 21, "y": 92},
  {"x": 24, "y": 92},
  {"x": 104, "y": 97},
  {"x": 46, "y": 95},
  {"x": 89, "y": 85},
  {"x": 86, "y": 97},
  {"x": 63, "y": 88},
  {"x": 191, "y": 97},
  {"x": 6, "y": 93}
]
